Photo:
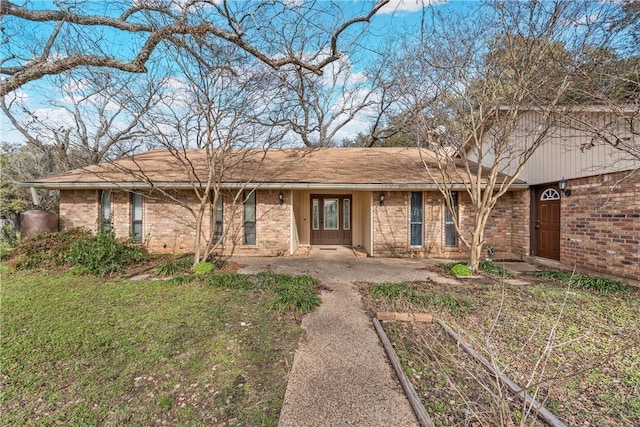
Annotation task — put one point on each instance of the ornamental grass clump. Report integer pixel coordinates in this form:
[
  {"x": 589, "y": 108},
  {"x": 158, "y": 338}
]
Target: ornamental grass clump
[
  {"x": 295, "y": 295},
  {"x": 390, "y": 291},
  {"x": 173, "y": 267},
  {"x": 604, "y": 285}
]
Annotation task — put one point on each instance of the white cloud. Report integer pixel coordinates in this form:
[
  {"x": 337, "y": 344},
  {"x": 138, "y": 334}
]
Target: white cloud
[
  {"x": 18, "y": 95},
  {"x": 407, "y": 6}
]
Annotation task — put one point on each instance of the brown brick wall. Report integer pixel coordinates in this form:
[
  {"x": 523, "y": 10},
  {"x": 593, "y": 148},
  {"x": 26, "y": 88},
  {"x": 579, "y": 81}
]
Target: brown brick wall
[
  {"x": 169, "y": 226},
  {"x": 391, "y": 224},
  {"x": 600, "y": 224},
  {"x": 507, "y": 228},
  {"x": 79, "y": 208}
]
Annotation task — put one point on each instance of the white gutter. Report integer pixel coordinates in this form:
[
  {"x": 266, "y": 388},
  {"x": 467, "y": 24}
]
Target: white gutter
[
  {"x": 250, "y": 185},
  {"x": 35, "y": 198}
]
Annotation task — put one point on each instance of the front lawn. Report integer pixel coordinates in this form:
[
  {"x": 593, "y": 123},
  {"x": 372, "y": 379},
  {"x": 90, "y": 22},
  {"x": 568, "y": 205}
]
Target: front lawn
[
  {"x": 576, "y": 350},
  {"x": 83, "y": 350}
]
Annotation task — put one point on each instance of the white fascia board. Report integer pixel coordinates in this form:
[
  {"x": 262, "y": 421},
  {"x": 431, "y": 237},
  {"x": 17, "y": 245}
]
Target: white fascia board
[{"x": 250, "y": 185}]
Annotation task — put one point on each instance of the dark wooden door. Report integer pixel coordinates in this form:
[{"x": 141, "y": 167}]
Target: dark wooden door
[
  {"x": 330, "y": 219},
  {"x": 547, "y": 222}
]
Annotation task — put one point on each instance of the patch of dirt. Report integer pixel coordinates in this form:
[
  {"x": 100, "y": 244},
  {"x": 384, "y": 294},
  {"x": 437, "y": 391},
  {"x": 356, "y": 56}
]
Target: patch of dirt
[{"x": 230, "y": 267}]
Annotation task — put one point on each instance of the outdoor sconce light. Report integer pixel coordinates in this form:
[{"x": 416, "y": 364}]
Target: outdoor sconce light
[
  {"x": 562, "y": 185},
  {"x": 381, "y": 199},
  {"x": 281, "y": 198}
]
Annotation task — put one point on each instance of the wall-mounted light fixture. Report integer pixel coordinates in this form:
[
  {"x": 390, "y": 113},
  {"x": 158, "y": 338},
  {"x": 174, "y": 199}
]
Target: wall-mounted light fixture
[
  {"x": 381, "y": 198},
  {"x": 562, "y": 185},
  {"x": 281, "y": 198}
]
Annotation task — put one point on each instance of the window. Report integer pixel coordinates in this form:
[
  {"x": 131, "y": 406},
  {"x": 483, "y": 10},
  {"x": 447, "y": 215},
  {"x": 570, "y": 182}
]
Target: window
[
  {"x": 136, "y": 217},
  {"x": 315, "y": 216},
  {"x": 105, "y": 210},
  {"x": 217, "y": 229},
  {"x": 416, "y": 219},
  {"x": 331, "y": 214},
  {"x": 249, "y": 217},
  {"x": 450, "y": 234},
  {"x": 550, "y": 194},
  {"x": 346, "y": 214}
]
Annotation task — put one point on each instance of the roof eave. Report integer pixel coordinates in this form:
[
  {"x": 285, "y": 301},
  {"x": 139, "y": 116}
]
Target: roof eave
[{"x": 250, "y": 185}]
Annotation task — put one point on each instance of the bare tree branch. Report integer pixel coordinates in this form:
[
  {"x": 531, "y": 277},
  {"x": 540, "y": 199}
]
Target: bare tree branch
[{"x": 42, "y": 64}]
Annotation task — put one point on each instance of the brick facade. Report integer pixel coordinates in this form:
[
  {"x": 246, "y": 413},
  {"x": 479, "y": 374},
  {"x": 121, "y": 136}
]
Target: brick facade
[
  {"x": 79, "y": 208},
  {"x": 507, "y": 229},
  {"x": 600, "y": 224},
  {"x": 169, "y": 226}
]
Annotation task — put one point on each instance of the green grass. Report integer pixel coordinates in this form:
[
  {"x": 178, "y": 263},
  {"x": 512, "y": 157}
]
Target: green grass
[{"x": 80, "y": 350}]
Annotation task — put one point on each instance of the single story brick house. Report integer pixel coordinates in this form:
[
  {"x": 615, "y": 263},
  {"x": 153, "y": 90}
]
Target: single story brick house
[{"x": 280, "y": 201}]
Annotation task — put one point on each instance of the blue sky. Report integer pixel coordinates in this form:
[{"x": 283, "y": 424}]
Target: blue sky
[{"x": 396, "y": 18}]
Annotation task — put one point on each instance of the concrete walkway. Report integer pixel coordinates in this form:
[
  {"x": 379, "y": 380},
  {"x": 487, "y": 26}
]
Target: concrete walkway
[{"x": 340, "y": 374}]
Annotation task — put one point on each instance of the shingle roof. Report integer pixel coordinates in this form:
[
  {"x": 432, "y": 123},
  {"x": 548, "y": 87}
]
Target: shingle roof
[{"x": 364, "y": 168}]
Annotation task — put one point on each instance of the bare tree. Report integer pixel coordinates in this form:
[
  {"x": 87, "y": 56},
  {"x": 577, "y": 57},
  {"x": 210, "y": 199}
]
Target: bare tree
[
  {"x": 611, "y": 88},
  {"x": 212, "y": 123},
  {"x": 42, "y": 42},
  {"x": 317, "y": 108},
  {"x": 91, "y": 117},
  {"x": 483, "y": 78}
]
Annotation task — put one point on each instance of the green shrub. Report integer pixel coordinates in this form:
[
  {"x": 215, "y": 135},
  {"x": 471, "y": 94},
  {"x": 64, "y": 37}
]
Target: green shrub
[
  {"x": 203, "y": 267},
  {"x": 175, "y": 266},
  {"x": 8, "y": 236},
  {"x": 103, "y": 254},
  {"x": 48, "y": 249},
  {"x": 390, "y": 291},
  {"x": 461, "y": 270},
  {"x": 493, "y": 269}
]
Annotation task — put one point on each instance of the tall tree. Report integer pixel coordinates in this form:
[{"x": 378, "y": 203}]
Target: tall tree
[
  {"x": 216, "y": 114},
  {"x": 84, "y": 117},
  {"x": 40, "y": 42},
  {"x": 525, "y": 55},
  {"x": 318, "y": 108}
]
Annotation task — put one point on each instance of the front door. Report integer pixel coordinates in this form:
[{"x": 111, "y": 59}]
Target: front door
[
  {"x": 330, "y": 219},
  {"x": 547, "y": 222}
]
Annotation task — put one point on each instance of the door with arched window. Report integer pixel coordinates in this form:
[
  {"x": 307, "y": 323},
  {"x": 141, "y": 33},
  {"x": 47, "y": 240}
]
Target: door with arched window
[{"x": 547, "y": 222}]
